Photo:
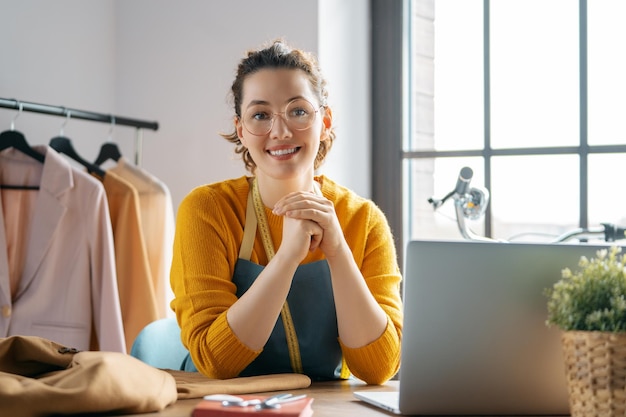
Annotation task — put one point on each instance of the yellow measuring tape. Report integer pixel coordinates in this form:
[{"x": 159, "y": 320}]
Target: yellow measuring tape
[{"x": 285, "y": 314}]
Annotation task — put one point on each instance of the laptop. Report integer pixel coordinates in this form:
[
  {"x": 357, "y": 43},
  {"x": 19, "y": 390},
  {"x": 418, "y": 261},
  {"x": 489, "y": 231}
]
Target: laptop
[{"x": 475, "y": 340}]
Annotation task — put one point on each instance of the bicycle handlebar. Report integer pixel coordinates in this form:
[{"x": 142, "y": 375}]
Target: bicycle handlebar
[{"x": 610, "y": 232}]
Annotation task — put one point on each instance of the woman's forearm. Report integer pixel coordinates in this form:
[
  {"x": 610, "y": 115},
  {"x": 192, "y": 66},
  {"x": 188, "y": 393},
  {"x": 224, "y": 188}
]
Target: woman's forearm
[
  {"x": 253, "y": 316},
  {"x": 360, "y": 319}
]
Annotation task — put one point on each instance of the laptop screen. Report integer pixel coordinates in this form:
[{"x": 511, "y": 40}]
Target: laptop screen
[{"x": 475, "y": 339}]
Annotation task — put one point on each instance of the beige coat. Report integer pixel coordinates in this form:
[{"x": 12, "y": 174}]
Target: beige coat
[
  {"x": 157, "y": 223},
  {"x": 134, "y": 280}
]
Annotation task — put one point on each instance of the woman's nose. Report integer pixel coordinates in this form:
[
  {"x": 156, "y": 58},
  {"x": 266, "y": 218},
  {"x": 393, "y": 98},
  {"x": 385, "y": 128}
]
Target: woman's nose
[{"x": 280, "y": 129}]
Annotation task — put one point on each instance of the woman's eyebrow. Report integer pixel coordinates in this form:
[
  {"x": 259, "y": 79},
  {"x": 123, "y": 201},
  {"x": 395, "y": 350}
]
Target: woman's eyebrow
[
  {"x": 265, "y": 102},
  {"x": 257, "y": 102}
]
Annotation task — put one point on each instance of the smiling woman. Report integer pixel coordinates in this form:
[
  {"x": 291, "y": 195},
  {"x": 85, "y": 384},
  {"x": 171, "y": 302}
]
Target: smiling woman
[{"x": 284, "y": 270}]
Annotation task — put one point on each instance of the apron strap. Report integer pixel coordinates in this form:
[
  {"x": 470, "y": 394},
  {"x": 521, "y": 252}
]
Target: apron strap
[{"x": 249, "y": 231}]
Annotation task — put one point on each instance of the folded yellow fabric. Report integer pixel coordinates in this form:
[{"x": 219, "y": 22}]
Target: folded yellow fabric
[
  {"x": 196, "y": 385},
  {"x": 39, "y": 377}
]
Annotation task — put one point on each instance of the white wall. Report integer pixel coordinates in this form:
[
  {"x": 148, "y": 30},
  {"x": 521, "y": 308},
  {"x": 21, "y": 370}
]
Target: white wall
[
  {"x": 173, "y": 62},
  {"x": 344, "y": 55},
  {"x": 60, "y": 53}
]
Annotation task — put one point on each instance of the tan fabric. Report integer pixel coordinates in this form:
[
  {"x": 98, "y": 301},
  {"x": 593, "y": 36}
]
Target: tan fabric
[
  {"x": 134, "y": 281},
  {"x": 39, "y": 377},
  {"x": 157, "y": 223},
  {"x": 196, "y": 385}
]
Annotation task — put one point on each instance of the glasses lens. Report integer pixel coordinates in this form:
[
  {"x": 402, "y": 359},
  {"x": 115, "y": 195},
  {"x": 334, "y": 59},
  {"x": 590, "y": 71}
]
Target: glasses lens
[
  {"x": 258, "y": 120},
  {"x": 299, "y": 115}
]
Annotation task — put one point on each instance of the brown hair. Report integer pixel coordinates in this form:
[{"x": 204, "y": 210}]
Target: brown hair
[{"x": 279, "y": 55}]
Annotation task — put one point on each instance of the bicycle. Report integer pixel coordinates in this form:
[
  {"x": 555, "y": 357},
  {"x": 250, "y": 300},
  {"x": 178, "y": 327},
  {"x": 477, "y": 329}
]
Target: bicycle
[{"x": 471, "y": 203}]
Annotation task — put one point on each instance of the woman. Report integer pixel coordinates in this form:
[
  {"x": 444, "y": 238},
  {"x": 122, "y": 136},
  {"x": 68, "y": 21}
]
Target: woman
[{"x": 285, "y": 271}]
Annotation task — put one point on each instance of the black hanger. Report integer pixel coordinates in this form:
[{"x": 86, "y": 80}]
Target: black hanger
[
  {"x": 63, "y": 145},
  {"x": 14, "y": 139},
  {"x": 108, "y": 150}
]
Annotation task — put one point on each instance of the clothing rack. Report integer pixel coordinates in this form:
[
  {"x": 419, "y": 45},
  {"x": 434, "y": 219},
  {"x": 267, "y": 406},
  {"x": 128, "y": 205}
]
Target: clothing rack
[{"x": 85, "y": 115}]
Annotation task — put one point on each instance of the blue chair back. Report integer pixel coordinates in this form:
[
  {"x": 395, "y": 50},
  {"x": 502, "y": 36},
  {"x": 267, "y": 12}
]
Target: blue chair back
[{"x": 158, "y": 344}]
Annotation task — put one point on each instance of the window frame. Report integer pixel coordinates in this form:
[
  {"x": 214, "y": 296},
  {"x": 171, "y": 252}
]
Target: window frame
[
  {"x": 389, "y": 49},
  {"x": 391, "y": 127}
]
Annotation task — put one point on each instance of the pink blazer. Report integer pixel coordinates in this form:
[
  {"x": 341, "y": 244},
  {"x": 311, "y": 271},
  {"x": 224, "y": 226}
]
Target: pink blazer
[{"x": 69, "y": 286}]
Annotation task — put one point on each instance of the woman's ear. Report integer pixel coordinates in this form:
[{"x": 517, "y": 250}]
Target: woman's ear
[
  {"x": 238, "y": 127},
  {"x": 327, "y": 119}
]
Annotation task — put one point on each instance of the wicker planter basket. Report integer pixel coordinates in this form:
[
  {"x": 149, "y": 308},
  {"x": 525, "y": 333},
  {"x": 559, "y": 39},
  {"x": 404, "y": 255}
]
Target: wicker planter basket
[{"x": 595, "y": 367}]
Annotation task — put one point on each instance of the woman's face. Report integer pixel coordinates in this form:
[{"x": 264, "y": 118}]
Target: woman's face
[{"x": 285, "y": 151}]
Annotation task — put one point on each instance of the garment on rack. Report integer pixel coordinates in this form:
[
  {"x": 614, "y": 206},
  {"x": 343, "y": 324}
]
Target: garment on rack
[
  {"x": 157, "y": 221},
  {"x": 136, "y": 292},
  {"x": 57, "y": 266}
]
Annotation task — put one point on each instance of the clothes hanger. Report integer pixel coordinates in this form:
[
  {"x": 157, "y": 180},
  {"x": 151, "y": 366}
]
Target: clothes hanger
[
  {"x": 14, "y": 139},
  {"x": 109, "y": 149},
  {"x": 63, "y": 144}
]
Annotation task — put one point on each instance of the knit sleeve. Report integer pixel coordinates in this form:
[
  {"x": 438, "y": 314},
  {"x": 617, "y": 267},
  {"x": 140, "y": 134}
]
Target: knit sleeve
[
  {"x": 206, "y": 243},
  {"x": 375, "y": 254}
]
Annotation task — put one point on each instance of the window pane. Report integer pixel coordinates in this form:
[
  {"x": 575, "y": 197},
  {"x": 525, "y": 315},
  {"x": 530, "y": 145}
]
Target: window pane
[
  {"x": 458, "y": 83},
  {"x": 607, "y": 199},
  {"x": 534, "y": 73},
  {"x": 534, "y": 195},
  {"x": 607, "y": 72},
  {"x": 534, "y": 95},
  {"x": 435, "y": 178}
]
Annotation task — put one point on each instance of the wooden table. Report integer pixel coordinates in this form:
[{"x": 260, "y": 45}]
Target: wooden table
[{"x": 332, "y": 399}]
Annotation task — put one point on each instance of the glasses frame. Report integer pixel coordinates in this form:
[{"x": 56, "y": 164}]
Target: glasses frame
[{"x": 283, "y": 115}]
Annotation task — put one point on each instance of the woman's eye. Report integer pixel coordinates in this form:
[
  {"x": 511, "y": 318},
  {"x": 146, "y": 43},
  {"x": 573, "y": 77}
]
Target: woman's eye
[
  {"x": 298, "y": 112},
  {"x": 260, "y": 116}
]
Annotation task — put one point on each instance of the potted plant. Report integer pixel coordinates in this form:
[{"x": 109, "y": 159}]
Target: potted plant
[{"x": 589, "y": 306}]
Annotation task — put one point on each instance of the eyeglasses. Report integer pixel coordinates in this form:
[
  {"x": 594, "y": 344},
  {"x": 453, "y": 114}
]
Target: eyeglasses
[{"x": 299, "y": 114}]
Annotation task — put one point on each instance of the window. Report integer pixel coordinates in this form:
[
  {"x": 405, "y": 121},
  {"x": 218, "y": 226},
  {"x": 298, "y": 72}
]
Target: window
[{"x": 530, "y": 94}]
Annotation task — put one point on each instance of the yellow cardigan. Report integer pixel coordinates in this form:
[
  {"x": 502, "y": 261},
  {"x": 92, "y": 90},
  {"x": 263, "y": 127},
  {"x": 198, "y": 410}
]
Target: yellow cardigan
[{"x": 209, "y": 231}]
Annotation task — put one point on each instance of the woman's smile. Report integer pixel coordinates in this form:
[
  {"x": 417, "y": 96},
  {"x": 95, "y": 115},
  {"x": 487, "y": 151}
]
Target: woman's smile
[{"x": 283, "y": 153}]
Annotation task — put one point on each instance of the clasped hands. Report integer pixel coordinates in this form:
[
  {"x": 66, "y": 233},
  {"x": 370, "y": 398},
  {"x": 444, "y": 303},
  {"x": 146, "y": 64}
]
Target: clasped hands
[{"x": 310, "y": 222}]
